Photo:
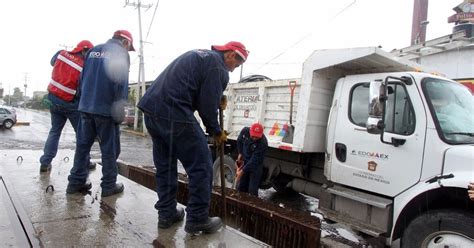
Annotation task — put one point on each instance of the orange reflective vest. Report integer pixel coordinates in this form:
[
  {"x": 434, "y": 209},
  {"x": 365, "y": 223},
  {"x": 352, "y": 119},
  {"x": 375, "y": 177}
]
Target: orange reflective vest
[{"x": 65, "y": 77}]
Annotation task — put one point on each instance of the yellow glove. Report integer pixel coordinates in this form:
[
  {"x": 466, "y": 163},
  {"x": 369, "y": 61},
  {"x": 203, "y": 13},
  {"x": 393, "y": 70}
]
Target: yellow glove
[
  {"x": 223, "y": 103},
  {"x": 220, "y": 138},
  {"x": 471, "y": 191}
]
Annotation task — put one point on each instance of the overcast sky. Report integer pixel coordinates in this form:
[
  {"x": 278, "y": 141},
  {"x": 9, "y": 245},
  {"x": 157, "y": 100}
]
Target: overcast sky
[{"x": 279, "y": 34}]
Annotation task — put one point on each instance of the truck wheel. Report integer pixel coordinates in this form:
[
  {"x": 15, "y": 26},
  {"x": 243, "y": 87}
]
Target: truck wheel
[
  {"x": 229, "y": 172},
  {"x": 280, "y": 183},
  {"x": 264, "y": 184},
  {"x": 440, "y": 228},
  {"x": 8, "y": 124}
]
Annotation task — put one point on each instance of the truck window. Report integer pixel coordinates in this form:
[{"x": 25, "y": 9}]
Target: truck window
[
  {"x": 451, "y": 105},
  {"x": 359, "y": 104},
  {"x": 399, "y": 113}
]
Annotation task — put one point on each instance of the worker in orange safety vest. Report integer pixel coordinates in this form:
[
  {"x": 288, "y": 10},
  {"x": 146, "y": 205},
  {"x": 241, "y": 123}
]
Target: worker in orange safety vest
[{"x": 63, "y": 96}]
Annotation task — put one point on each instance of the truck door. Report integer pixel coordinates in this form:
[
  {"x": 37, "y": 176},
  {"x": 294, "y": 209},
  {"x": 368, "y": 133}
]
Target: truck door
[{"x": 360, "y": 159}]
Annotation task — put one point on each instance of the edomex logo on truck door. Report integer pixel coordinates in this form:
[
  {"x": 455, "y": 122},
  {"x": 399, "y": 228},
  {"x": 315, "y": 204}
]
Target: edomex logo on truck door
[{"x": 373, "y": 155}]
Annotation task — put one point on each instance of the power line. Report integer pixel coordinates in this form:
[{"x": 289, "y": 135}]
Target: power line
[
  {"x": 342, "y": 10},
  {"x": 306, "y": 36},
  {"x": 152, "y": 19},
  {"x": 66, "y": 47}
]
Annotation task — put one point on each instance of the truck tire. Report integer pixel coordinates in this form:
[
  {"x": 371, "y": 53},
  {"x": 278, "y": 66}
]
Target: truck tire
[
  {"x": 440, "y": 228},
  {"x": 280, "y": 182},
  {"x": 230, "y": 171},
  {"x": 8, "y": 124}
]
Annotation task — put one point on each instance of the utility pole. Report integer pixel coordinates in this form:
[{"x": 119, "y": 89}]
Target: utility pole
[
  {"x": 420, "y": 20},
  {"x": 26, "y": 82},
  {"x": 9, "y": 94},
  {"x": 141, "y": 68}
]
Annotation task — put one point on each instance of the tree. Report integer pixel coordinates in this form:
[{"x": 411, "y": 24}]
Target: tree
[
  {"x": 17, "y": 94},
  {"x": 14, "y": 99}
]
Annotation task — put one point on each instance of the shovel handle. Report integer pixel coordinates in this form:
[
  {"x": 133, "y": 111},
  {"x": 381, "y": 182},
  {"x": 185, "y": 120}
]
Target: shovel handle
[
  {"x": 292, "y": 85},
  {"x": 221, "y": 167}
]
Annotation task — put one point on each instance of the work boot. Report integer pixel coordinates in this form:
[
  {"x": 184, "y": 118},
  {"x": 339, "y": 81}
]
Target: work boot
[
  {"x": 167, "y": 223},
  {"x": 75, "y": 188},
  {"x": 92, "y": 165},
  {"x": 45, "y": 167},
  {"x": 211, "y": 225},
  {"x": 118, "y": 188}
]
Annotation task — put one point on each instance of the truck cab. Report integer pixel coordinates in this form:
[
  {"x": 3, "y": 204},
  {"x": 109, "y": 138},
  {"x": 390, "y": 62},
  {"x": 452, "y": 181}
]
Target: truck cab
[{"x": 398, "y": 152}]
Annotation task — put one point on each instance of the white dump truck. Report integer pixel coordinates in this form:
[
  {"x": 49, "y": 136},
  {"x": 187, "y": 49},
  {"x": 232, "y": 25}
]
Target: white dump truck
[{"x": 387, "y": 149}]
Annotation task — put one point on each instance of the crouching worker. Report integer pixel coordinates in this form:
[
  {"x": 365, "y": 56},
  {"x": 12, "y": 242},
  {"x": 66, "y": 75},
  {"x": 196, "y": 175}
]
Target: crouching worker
[{"x": 251, "y": 145}]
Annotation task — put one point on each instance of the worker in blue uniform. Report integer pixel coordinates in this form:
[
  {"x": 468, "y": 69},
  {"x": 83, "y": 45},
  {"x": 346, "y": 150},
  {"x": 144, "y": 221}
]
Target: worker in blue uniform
[
  {"x": 251, "y": 145},
  {"x": 193, "y": 82},
  {"x": 104, "y": 93}
]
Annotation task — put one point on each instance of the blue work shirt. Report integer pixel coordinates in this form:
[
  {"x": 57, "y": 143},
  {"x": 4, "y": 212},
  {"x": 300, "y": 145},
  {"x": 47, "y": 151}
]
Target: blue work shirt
[
  {"x": 193, "y": 82},
  {"x": 104, "y": 80},
  {"x": 252, "y": 151}
]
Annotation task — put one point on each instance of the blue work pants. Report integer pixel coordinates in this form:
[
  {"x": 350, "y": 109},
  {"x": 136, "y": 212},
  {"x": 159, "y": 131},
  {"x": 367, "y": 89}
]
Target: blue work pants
[
  {"x": 173, "y": 140},
  {"x": 59, "y": 115},
  {"x": 250, "y": 181},
  {"x": 108, "y": 133}
]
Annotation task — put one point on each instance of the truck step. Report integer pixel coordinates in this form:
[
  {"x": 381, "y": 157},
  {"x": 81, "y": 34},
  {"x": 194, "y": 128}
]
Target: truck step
[
  {"x": 362, "y": 197},
  {"x": 352, "y": 223},
  {"x": 365, "y": 212}
]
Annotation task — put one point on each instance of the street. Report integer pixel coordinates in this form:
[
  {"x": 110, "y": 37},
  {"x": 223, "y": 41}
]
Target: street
[
  {"x": 137, "y": 150},
  {"x": 134, "y": 149}
]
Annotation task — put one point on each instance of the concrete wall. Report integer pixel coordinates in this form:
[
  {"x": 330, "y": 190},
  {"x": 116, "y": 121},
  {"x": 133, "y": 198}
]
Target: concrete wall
[{"x": 455, "y": 64}]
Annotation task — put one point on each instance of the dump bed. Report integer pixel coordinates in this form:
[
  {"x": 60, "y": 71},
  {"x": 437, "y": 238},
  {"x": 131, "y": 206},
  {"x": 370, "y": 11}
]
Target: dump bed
[{"x": 269, "y": 102}]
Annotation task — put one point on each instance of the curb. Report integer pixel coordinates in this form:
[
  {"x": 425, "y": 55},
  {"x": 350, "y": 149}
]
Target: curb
[
  {"x": 22, "y": 123},
  {"x": 133, "y": 132}
]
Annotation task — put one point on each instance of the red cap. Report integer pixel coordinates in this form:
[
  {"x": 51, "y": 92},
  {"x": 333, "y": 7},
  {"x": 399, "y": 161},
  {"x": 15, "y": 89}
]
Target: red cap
[
  {"x": 127, "y": 35},
  {"x": 256, "y": 130},
  {"x": 85, "y": 44},
  {"x": 235, "y": 46}
]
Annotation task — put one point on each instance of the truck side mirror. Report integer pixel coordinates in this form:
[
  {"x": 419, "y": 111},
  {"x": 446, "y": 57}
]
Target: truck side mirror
[{"x": 377, "y": 96}]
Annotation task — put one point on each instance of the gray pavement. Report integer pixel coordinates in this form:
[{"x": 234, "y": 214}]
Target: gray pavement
[{"x": 59, "y": 220}]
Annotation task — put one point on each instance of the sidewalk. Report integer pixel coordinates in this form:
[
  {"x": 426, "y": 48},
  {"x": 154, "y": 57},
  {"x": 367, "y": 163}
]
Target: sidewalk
[{"x": 59, "y": 220}]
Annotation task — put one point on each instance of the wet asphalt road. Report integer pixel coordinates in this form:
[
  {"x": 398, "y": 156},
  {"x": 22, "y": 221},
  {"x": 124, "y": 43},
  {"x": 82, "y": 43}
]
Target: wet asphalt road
[{"x": 135, "y": 149}]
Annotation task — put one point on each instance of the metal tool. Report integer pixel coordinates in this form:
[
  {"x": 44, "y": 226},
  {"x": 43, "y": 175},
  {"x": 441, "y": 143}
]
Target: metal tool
[
  {"x": 221, "y": 161},
  {"x": 288, "y": 138}
]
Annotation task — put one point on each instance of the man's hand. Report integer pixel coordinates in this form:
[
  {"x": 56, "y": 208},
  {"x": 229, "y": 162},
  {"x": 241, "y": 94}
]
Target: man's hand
[
  {"x": 470, "y": 191},
  {"x": 220, "y": 138},
  {"x": 239, "y": 174},
  {"x": 223, "y": 103},
  {"x": 239, "y": 163},
  {"x": 118, "y": 112}
]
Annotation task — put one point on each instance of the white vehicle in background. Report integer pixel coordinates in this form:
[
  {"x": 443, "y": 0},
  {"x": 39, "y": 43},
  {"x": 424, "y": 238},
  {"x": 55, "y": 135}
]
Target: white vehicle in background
[{"x": 387, "y": 149}]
